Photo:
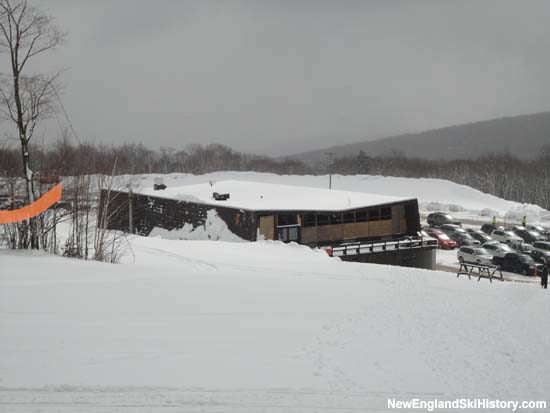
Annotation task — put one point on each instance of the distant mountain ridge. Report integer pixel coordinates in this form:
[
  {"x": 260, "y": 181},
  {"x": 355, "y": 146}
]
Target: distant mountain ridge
[{"x": 522, "y": 136}]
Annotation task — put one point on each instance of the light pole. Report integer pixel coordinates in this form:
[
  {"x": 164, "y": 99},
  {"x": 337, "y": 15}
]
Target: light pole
[{"x": 330, "y": 156}]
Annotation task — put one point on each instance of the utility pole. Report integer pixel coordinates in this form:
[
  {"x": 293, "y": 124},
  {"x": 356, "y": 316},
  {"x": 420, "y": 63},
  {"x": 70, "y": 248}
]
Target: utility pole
[
  {"x": 330, "y": 156},
  {"x": 130, "y": 210}
]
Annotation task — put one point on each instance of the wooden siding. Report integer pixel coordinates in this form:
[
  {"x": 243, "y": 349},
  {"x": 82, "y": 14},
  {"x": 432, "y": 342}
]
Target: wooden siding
[
  {"x": 309, "y": 234},
  {"x": 356, "y": 230},
  {"x": 329, "y": 232},
  {"x": 267, "y": 226},
  {"x": 380, "y": 228},
  {"x": 399, "y": 220}
]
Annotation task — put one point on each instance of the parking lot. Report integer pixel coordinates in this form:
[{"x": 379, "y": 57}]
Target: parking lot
[{"x": 447, "y": 258}]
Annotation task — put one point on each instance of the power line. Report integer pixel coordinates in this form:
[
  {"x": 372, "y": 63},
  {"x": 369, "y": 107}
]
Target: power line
[{"x": 66, "y": 114}]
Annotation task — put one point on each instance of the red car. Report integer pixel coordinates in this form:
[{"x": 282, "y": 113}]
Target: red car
[{"x": 443, "y": 239}]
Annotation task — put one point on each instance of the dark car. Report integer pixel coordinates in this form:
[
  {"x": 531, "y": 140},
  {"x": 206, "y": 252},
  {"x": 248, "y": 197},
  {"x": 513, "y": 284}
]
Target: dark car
[
  {"x": 436, "y": 219},
  {"x": 489, "y": 228},
  {"x": 529, "y": 236},
  {"x": 518, "y": 263},
  {"x": 524, "y": 248},
  {"x": 450, "y": 228},
  {"x": 479, "y": 235},
  {"x": 464, "y": 239},
  {"x": 541, "y": 246},
  {"x": 542, "y": 257}
]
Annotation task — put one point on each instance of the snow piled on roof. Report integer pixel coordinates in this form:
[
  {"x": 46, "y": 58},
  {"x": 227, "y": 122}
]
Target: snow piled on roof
[{"x": 266, "y": 196}]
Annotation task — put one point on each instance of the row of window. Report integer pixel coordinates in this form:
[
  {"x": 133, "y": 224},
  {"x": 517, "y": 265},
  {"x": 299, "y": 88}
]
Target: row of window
[{"x": 371, "y": 214}]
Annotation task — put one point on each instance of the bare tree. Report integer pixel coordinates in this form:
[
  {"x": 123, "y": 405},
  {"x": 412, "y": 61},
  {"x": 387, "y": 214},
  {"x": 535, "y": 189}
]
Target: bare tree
[{"x": 25, "y": 99}]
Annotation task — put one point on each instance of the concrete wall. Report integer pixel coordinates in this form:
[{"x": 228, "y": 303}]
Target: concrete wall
[{"x": 417, "y": 258}]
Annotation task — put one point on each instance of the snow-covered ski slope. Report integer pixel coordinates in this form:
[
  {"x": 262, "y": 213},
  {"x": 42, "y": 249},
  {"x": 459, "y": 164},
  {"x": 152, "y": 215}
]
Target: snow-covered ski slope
[
  {"x": 204, "y": 326},
  {"x": 432, "y": 194}
]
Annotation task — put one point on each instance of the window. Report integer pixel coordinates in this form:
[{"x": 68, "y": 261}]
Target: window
[
  {"x": 361, "y": 216},
  {"x": 349, "y": 217},
  {"x": 322, "y": 219},
  {"x": 374, "y": 214},
  {"x": 335, "y": 219},
  {"x": 287, "y": 219},
  {"x": 385, "y": 213},
  {"x": 309, "y": 220}
]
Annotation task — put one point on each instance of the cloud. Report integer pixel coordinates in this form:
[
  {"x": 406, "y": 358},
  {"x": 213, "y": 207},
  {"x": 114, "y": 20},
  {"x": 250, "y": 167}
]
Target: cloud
[{"x": 285, "y": 76}]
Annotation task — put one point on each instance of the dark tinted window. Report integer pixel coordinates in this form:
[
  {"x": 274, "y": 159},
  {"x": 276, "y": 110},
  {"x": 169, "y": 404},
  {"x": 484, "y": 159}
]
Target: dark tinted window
[
  {"x": 374, "y": 214},
  {"x": 309, "y": 220},
  {"x": 385, "y": 213},
  {"x": 467, "y": 250},
  {"x": 322, "y": 219},
  {"x": 335, "y": 218},
  {"x": 287, "y": 219},
  {"x": 349, "y": 217},
  {"x": 361, "y": 216}
]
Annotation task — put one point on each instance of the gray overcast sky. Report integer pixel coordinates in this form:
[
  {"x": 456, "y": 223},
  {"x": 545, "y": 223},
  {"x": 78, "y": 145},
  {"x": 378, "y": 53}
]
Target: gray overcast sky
[{"x": 279, "y": 77}]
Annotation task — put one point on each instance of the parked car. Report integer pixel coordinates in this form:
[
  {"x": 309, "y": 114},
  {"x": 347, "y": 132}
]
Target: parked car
[
  {"x": 479, "y": 235},
  {"x": 425, "y": 236},
  {"x": 541, "y": 256},
  {"x": 497, "y": 249},
  {"x": 489, "y": 228},
  {"x": 463, "y": 238},
  {"x": 518, "y": 263},
  {"x": 474, "y": 255},
  {"x": 541, "y": 246},
  {"x": 449, "y": 228},
  {"x": 443, "y": 239},
  {"x": 528, "y": 235},
  {"x": 524, "y": 248},
  {"x": 507, "y": 237},
  {"x": 539, "y": 228},
  {"x": 436, "y": 219}
]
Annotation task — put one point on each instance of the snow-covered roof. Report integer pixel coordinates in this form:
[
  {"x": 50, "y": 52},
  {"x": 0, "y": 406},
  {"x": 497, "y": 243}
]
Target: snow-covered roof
[{"x": 264, "y": 196}]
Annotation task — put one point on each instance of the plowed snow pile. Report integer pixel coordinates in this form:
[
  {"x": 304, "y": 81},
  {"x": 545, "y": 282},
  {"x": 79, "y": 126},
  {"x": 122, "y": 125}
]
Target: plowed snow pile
[{"x": 248, "y": 327}]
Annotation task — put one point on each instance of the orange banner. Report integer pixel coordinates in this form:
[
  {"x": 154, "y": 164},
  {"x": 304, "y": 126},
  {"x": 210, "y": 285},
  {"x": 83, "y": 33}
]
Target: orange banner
[{"x": 32, "y": 210}]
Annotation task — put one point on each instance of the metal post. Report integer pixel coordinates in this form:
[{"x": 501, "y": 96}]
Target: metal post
[
  {"x": 330, "y": 166},
  {"x": 130, "y": 210}
]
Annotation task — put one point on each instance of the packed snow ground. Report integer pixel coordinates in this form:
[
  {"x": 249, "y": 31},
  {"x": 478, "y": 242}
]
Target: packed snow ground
[{"x": 258, "y": 327}]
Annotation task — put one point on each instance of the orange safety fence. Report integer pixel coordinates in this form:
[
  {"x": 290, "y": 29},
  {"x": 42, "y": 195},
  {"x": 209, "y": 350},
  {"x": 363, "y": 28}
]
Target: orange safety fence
[{"x": 32, "y": 210}]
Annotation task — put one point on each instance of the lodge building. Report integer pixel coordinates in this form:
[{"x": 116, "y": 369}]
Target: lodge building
[{"x": 356, "y": 225}]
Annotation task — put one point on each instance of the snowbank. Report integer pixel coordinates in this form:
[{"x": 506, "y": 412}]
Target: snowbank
[
  {"x": 214, "y": 228},
  {"x": 431, "y": 193}
]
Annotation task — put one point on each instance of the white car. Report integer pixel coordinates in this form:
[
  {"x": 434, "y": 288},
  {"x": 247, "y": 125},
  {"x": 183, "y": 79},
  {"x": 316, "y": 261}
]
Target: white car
[
  {"x": 507, "y": 237},
  {"x": 474, "y": 255},
  {"x": 497, "y": 249}
]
